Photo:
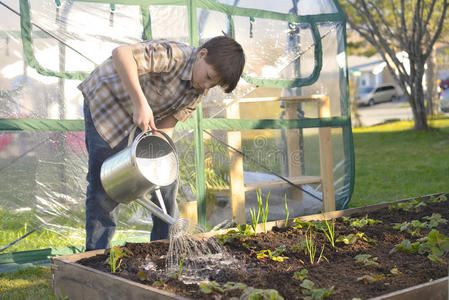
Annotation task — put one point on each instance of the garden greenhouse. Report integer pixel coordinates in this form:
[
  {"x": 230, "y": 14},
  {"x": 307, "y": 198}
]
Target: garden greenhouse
[{"x": 285, "y": 131}]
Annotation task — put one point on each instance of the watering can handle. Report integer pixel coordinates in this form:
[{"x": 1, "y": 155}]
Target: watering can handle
[{"x": 167, "y": 137}]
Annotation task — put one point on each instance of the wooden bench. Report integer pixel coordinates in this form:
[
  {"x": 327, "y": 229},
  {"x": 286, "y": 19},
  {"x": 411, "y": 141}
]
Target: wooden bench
[{"x": 326, "y": 179}]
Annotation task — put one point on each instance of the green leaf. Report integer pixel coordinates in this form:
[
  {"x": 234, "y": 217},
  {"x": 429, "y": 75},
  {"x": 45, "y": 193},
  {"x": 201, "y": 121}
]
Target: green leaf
[
  {"x": 300, "y": 275},
  {"x": 307, "y": 284}
]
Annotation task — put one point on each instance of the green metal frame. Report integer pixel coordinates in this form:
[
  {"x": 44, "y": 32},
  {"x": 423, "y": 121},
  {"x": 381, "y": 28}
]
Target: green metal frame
[{"x": 198, "y": 124}]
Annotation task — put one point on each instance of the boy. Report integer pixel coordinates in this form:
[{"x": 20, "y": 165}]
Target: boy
[{"x": 151, "y": 85}]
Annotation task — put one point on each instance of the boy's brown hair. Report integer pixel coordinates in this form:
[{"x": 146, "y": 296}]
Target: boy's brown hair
[{"x": 227, "y": 58}]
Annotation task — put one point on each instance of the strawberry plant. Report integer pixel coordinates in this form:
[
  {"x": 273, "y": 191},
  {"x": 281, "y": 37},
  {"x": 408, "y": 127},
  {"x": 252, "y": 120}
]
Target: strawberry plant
[
  {"x": 275, "y": 255},
  {"x": 366, "y": 260},
  {"x": 434, "y": 244},
  {"x": 314, "y": 293},
  {"x": 371, "y": 278},
  {"x": 434, "y": 220},
  {"x": 242, "y": 232},
  {"x": 354, "y": 237},
  {"x": 360, "y": 223},
  {"x": 412, "y": 205},
  {"x": 439, "y": 199},
  {"x": 413, "y": 227},
  {"x": 300, "y": 224},
  {"x": 300, "y": 275},
  {"x": 406, "y": 247}
]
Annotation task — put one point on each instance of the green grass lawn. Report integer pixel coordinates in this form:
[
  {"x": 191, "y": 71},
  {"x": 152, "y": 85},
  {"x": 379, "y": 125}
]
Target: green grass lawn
[
  {"x": 32, "y": 284},
  {"x": 392, "y": 162}
]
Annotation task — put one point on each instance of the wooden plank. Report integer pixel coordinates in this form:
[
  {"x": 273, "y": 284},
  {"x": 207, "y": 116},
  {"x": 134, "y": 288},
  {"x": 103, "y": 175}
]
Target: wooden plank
[
  {"x": 189, "y": 210},
  {"x": 83, "y": 283},
  {"x": 293, "y": 149},
  {"x": 279, "y": 182},
  {"x": 287, "y": 99},
  {"x": 236, "y": 168},
  {"x": 433, "y": 290},
  {"x": 326, "y": 160}
]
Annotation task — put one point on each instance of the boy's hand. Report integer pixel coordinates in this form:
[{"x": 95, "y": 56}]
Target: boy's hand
[
  {"x": 143, "y": 117},
  {"x": 126, "y": 67}
]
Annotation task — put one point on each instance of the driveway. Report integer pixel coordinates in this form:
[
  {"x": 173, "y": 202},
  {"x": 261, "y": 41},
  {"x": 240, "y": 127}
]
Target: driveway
[{"x": 379, "y": 113}]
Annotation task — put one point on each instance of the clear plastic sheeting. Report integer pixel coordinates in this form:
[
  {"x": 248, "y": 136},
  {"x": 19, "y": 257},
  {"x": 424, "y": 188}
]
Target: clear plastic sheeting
[
  {"x": 293, "y": 48},
  {"x": 301, "y": 7}
]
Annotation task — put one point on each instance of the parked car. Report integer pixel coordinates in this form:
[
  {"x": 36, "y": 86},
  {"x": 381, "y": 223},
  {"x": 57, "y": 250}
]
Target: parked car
[
  {"x": 371, "y": 95},
  {"x": 444, "y": 84},
  {"x": 444, "y": 100}
]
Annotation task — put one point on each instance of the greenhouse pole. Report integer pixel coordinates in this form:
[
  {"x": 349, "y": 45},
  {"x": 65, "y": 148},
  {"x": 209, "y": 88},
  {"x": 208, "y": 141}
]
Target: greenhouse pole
[
  {"x": 347, "y": 130},
  {"x": 198, "y": 128}
]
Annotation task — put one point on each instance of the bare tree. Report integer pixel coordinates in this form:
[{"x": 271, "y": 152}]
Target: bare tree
[{"x": 392, "y": 26}]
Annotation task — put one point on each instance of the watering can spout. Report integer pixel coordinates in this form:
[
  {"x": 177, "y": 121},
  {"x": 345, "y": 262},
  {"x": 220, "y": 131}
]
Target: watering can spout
[{"x": 156, "y": 211}]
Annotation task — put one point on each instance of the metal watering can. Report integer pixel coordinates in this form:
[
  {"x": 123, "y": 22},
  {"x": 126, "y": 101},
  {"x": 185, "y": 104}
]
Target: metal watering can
[{"x": 146, "y": 164}]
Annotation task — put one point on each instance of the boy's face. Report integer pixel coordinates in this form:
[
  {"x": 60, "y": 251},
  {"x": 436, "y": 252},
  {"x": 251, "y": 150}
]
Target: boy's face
[{"x": 203, "y": 74}]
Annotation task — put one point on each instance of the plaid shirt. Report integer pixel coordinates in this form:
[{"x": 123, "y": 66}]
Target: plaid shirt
[{"x": 165, "y": 73}]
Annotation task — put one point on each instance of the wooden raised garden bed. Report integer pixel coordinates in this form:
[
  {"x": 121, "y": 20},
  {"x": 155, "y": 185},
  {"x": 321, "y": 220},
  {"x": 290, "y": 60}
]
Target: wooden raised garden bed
[{"x": 361, "y": 264}]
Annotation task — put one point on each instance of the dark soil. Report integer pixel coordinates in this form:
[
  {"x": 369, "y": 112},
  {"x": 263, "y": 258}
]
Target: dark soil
[{"x": 339, "y": 270}]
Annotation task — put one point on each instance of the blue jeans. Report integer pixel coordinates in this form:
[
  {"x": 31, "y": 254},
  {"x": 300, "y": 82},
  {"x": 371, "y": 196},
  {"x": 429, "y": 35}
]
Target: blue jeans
[{"x": 101, "y": 210}]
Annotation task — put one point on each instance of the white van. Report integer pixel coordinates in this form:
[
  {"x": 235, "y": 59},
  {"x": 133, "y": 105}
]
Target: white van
[{"x": 381, "y": 93}]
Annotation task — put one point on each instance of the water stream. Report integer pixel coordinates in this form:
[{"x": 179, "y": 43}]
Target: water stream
[
  {"x": 199, "y": 256},
  {"x": 191, "y": 258}
]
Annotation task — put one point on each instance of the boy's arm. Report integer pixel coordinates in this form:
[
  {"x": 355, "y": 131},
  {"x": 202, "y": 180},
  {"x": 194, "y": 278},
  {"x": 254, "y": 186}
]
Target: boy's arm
[
  {"x": 126, "y": 67},
  {"x": 167, "y": 125}
]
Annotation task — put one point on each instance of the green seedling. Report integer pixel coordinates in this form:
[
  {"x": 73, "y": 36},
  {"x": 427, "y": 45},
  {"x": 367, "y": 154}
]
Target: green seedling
[
  {"x": 435, "y": 244},
  {"x": 253, "y": 293},
  {"x": 366, "y": 260},
  {"x": 439, "y": 199},
  {"x": 116, "y": 254},
  {"x": 262, "y": 211},
  {"x": 158, "y": 284},
  {"x": 300, "y": 275},
  {"x": 180, "y": 268},
  {"x": 406, "y": 247},
  {"x": 366, "y": 279},
  {"x": 360, "y": 223},
  {"x": 435, "y": 220},
  {"x": 301, "y": 224},
  {"x": 286, "y": 211},
  {"x": 414, "y": 227},
  {"x": 329, "y": 231},
  {"x": 242, "y": 232},
  {"x": 394, "y": 271},
  {"x": 300, "y": 247},
  {"x": 413, "y": 204},
  {"x": 312, "y": 250},
  {"x": 229, "y": 286},
  {"x": 209, "y": 287},
  {"x": 352, "y": 238},
  {"x": 276, "y": 255},
  {"x": 254, "y": 219},
  {"x": 312, "y": 293}
]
